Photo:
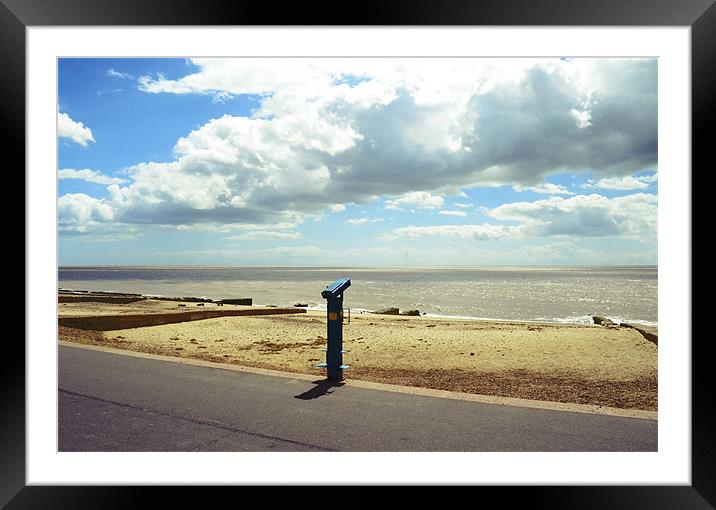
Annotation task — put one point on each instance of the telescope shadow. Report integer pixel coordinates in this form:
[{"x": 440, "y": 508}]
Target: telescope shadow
[{"x": 322, "y": 387}]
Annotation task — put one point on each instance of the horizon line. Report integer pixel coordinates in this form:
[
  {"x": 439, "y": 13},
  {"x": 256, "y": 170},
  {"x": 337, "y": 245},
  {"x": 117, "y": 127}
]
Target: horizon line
[{"x": 299, "y": 266}]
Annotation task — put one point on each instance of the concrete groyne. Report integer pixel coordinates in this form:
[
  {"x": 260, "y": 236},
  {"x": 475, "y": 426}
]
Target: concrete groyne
[{"x": 113, "y": 322}]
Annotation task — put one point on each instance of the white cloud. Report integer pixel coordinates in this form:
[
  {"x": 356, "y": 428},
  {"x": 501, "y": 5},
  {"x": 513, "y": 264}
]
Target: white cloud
[
  {"x": 584, "y": 215},
  {"x": 583, "y": 119},
  {"x": 460, "y": 214},
  {"x": 464, "y": 205},
  {"x": 363, "y": 221},
  {"x": 633, "y": 216},
  {"x": 515, "y": 116},
  {"x": 113, "y": 73},
  {"x": 292, "y": 251},
  {"x": 264, "y": 234},
  {"x": 560, "y": 252},
  {"x": 248, "y": 254},
  {"x": 627, "y": 183},
  {"x": 75, "y": 131},
  {"x": 420, "y": 199},
  {"x": 108, "y": 91},
  {"x": 336, "y": 208},
  {"x": 547, "y": 188},
  {"x": 229, "y": 228},
  {"x": 81, "y": 213},
  {"x": 334, "y": 131},
  {"x": 479, "y": 232},
  {"x": 88, "y": 176}
]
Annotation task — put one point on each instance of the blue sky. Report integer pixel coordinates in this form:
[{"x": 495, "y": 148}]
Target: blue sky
[{"x": 357, "y": 161}]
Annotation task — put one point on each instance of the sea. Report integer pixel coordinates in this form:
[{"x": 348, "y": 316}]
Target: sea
[{"x": 556, "y": 294}]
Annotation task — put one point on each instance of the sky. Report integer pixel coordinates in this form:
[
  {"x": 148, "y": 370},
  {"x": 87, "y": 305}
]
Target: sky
[{"x": 357, "y": 162}]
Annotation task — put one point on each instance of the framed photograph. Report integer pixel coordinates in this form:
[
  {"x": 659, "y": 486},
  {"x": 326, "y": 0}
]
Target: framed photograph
[{"x": 549, "y": 148}]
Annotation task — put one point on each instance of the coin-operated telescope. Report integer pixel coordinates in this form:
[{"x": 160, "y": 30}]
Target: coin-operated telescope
[{"x": 333, "y": 294}]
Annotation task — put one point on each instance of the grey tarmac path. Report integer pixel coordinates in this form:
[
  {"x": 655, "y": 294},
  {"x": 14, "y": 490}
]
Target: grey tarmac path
[{"x": 114, "y": 402}]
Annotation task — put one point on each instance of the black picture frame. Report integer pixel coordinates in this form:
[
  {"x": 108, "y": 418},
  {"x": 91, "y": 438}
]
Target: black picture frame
[{"x": 700, "y": 15}]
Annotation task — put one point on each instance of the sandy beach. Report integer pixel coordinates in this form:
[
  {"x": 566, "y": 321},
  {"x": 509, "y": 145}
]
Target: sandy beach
[{"x": 607, "y": 366}]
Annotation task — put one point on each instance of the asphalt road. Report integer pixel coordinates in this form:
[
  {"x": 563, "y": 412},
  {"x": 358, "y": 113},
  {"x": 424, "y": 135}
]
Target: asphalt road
[{"x": 113, "y": 402}]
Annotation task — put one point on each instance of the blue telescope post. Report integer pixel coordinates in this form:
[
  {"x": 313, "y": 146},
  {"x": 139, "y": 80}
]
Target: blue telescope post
[{"x": 333, "y": 294}]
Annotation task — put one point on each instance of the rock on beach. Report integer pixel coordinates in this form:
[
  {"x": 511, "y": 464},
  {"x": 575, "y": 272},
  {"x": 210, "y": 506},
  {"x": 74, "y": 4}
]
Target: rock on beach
[
  {"x": 388, "y": 311},
  {"x": 602, "y": 321}
]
